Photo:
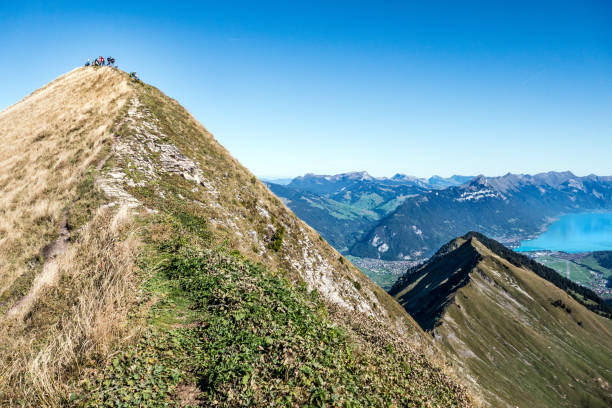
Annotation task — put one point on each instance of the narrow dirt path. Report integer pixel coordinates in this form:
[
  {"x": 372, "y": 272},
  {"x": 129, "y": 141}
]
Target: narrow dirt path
[
  {"x": 50, "y": 270},
  {"x": 49, "y": 273}
]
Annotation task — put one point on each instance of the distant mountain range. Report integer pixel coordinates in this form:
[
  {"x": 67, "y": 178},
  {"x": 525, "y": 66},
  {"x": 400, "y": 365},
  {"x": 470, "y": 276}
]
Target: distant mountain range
[
  {"x": 281, "y": 181},
  {"x": 508, "y": 208},
  {"x": 326, "y": 184},
  {"x": 523, "y": 334},
  {"x": 407, "y": 218},
  {"x": 344, "y": 207}
]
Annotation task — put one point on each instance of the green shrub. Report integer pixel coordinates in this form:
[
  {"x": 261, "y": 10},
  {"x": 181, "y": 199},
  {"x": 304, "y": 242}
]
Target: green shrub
[{"x": 276, "y": 241}]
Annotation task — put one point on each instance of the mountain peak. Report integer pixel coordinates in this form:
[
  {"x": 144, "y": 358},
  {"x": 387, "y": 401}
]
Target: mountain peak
[
  {"x": 479, "y": 180},
  {"x": 473, "y": 246},
  {"x": 403, "y": 177},
  {"x": 132, "y": 205},
  {"x": 361, "y": 175}
]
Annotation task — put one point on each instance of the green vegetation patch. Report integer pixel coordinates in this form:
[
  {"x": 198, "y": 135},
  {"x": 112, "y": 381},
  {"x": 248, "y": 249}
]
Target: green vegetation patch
[
  {"x": 346, "y": 210},
  {"x": 368, "y": 201},
  {"x": 237, "y": 334},
  {"x": 603, "y": 258},
  {"x": 577, "y": 273},
  {"x": 585, "y": 270},
  {"x": 142, "y": 376},
  {"x": 599, "y": 261},
  {"x": 277, "y": 239}
]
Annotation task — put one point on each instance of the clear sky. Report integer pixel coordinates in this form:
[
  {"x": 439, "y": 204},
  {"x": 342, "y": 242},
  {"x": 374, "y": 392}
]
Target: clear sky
[{"x": 292, "y": 87}]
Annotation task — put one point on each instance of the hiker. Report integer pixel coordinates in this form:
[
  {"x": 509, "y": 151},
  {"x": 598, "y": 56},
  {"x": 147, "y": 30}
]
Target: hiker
[
  {"x": 110, "y": 61},
  {"x": 87, "y": 63},
  {"x": 134, "y": 76}
]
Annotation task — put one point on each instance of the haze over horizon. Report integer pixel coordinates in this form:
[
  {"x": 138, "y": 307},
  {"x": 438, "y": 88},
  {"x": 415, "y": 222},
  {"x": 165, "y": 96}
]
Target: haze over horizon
[
  {"x": 288, "y": 89},
  {"x": 424, "y": 177}
]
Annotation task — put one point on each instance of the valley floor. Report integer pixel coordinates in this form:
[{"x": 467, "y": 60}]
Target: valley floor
[{"x": 581, "y": 268}]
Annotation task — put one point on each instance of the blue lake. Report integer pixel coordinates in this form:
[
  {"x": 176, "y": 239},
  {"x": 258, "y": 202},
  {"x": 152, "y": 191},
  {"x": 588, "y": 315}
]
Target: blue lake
[{"x": 582, "y": 232}]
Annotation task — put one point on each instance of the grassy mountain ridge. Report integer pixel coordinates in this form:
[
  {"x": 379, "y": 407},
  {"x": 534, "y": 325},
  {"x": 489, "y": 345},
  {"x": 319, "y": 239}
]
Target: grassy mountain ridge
[
  {"x": 583, "y": 295},
  {"x": 177, "y": 278},
  {"x": 520, "y": 338}
]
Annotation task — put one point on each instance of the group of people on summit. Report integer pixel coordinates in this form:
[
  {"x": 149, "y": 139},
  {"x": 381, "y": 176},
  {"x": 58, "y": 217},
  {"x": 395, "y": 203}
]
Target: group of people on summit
[
  {"x": 109, "y": 62},
  {"x": 100, "y": 62}
]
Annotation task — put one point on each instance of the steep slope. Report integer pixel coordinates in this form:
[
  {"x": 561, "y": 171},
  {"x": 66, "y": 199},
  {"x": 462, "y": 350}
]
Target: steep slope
[
  {"x": 520, "y": 338},
  {"x": 158, "y": 270},
  {"x": 49, "y": 140},
  {"x": 509, "y": 208}
]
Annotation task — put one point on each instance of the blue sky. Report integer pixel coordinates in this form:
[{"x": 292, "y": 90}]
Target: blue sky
[{"x": 326, "y": 87}]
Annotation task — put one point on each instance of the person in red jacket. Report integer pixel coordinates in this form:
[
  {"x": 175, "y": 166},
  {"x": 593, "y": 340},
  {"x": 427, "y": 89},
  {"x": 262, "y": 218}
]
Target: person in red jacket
[{"x": 101, "y": 60}]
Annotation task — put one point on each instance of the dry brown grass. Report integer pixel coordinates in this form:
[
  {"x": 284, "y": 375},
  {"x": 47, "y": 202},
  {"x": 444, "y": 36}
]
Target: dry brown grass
[
  {"x": 47, "y": 141},
  {"x": 78, "y": 321}
]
